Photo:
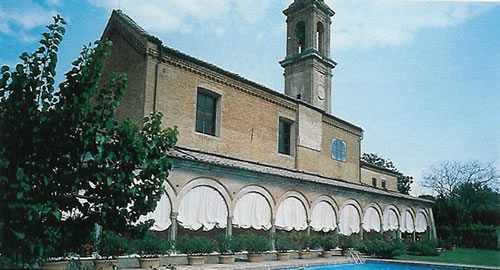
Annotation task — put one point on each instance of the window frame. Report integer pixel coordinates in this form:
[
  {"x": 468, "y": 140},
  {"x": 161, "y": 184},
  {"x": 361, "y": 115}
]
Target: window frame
[
  {"x": 374, "y": 181},
  {"x": 216, "y": 109},
  {"x": 384, "y": 184},
  {"x": 343, "y": 151},
  {"x": 291, "y": 136}
]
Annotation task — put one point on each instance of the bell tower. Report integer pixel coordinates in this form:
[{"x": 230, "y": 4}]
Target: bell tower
[{"x": 308, "y": 67}]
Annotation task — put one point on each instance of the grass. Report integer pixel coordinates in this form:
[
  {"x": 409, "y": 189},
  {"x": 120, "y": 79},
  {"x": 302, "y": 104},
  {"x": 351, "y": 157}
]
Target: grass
[{"x": 460, "y": 256}]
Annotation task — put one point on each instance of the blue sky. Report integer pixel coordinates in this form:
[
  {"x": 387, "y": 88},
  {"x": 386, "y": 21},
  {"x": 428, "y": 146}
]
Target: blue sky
[{"x": 422, "y": 78}]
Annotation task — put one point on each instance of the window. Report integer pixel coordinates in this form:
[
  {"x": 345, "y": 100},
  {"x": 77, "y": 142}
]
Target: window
[
  {"x": 285, "y": 127},
  {"x": 300, "y": 31},
  {"x": 206, "y": 112},
  {"x": 319, "y": 37},
  {"x": 384, "y": 184},
  {"x": 374, "y": 182},
  {"x": 338, "y": 150}
]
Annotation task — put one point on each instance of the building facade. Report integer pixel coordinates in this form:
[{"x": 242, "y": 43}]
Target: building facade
[{"x": 252, "y": 158}]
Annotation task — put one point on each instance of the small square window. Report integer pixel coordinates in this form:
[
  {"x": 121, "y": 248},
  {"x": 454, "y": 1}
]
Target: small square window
[
  {"x": 384, "y": 184},
  {"x": 338, "y": 150},
  {"x": 285, "y": 136},
  {"x": 374, "y": 182},
  {"x": 206, "y": 112}
]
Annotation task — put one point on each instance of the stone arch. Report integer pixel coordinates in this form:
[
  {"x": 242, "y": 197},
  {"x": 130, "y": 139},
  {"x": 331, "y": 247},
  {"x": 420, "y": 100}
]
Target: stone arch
[
  {"x": 208, "y": 182},
  {"x": 172, "y": 197},
  {"x": 403, "y": 212},
  {"x": 319, "y": 37},
  {"x": 426, "y": 216},
  {"x": 354, "y": 203},
  {"x": 330, "y": 200},
  {"x": 349, "y": 229},
  {"x": 298, "y": 195},
  {"x": 253, "y": 189},
  {"x": 333, "y": 204},
  {"x": 377, "y": 209},
  {"x": 392, "y": 207},
  {"x": 300, "y": 33}
]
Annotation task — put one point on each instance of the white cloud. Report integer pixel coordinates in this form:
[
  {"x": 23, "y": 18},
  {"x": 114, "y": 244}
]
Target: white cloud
[
  {"x": 53, "y": 2},
  {"x": 365, "y": 24},
  {"x": 160, "y": 16},
  {"x": 219, "y": 31},
  {"x": 17, "y": 18}
]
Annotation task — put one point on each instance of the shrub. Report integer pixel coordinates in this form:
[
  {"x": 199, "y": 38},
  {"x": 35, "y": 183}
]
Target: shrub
[
  {"x": 284, "y": 242},
  {"x": 425, "y": 248},
  {"x": 195, "y": 246},
  {"x": 384, "y": 248},
  {"x": 478, "y": 236},
  {"x": 328, "y": 242},
  {"x": 254, "y": 244},
  {"x": 227, "y": 244},
  {"x": 112, "y": 245},
  {"x": 150, "y": 245},
  {"x": 350, "y": 241}
]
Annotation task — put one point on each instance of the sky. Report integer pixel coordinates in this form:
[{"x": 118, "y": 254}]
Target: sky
[{"x": 422, "y": 78}]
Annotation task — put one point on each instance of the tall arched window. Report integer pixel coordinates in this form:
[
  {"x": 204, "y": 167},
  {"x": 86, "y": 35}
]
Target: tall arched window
[
  {"x": 319, "y": 37},
  {"x": 300, "y": 31}
]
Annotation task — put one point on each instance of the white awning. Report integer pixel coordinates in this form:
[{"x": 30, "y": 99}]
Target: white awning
[
  {"x": 407, "y": 224},
  {"x": 323, "y": 217},
  {"x": 371, "y": 220},
  {"x": 349, "y": 220},
  {"x": 291, "y": 215},
  {"x": 391, "y": 220},
  {"x": 252, "y": 211},
  {"x": 202, "y": 207},
  {"x": 421, "y": 223},
  {"x": 161, "y": 215}
]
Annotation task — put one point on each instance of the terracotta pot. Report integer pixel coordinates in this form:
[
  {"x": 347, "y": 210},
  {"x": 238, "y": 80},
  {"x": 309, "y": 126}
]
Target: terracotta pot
[
  {"x": 148, "y": 263},
  {"x": 254, "y": 257},
  {"x": 226, "y": 259},
  {"x": 304, "y": 254},
  {"x": 60, "y": 265},
  {"x": 283, "y": 256},
  {"x": 326, "y": 253},
  {"x": 196, "y": 260},
  {"x": 105, "y": 264}
]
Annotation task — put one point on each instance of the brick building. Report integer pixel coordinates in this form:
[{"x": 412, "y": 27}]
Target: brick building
[{"x": 251, "y": 158}]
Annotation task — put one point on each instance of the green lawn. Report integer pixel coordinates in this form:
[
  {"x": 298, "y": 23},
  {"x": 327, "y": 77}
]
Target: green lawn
[{"x": 461, "y": 256}]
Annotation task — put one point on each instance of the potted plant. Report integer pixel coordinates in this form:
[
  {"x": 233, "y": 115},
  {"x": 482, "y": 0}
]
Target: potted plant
[
  {"x": 195, "y": 248},
  {"x": 227, "y": 246},
  {"x": 346, "y": 243},
  {"x": 109, "y": 246},
  {"x": 149, "y": 248},
  {"x": 255, "y": 246},
  {"x": 305, "y": 242},
  {"x": 283, "y": 246},
  {"x": 327, "y": 243}
]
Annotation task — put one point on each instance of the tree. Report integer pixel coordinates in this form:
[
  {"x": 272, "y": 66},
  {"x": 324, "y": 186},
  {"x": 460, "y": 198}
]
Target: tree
[
  {"x": 404, "y": 181},
  {"x": 445, "y": 177},
  {"x": 65, "y": 163}
]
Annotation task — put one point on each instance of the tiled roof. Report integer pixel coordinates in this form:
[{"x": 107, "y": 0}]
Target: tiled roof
[{"x": 231, "y": 162}]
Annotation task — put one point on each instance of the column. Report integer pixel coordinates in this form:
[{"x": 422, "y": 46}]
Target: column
[
  {"x": 308, "y": 227},
  {"x": 414, "y": 236},
  {"x": 398, "y": 232},
  {"x": 361, "y": 231},
  {"x": 272, "y": 232},
  {"x": 229, "y": 226},
  {"x": 173, "y": 227}
]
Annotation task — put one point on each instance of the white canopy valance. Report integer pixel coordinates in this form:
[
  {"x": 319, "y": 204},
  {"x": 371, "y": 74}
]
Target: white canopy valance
[
  {"x": 371, "y": 220},
  {"x": 349, "y": 220},
  {"x": 291, "y": 215},
  {"x": 252, "y": 211},
  {"x": 391, "y": 221},
  {"x": 323, "y": 217},
  {"x": 407, "y": 224},
  {"x": 202, "y": 207},
  {"x": 421, "y": 223},
  {"x": 161, "y": 215}
]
